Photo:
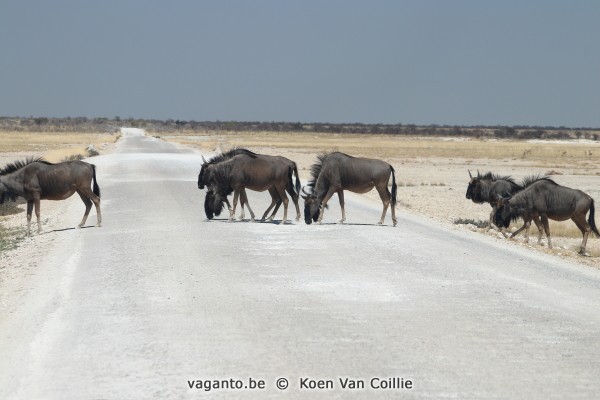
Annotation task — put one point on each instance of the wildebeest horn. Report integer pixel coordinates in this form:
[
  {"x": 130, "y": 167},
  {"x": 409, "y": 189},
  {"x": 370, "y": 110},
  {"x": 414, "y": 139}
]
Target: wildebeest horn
[
  {"x": 470, "y": 176},
  {"x": 204, "y": 160},
  {"x": 304, "y": 191}
]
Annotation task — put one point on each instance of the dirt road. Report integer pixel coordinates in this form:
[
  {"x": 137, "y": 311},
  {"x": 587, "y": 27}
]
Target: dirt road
[{"x": 158, "y": 300}]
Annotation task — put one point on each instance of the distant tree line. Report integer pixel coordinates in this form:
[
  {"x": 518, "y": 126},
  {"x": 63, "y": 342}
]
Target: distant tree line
[{"x": 111, "y": 125}]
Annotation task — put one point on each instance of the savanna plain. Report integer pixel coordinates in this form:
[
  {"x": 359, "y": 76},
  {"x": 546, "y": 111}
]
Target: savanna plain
[{"x": 432, "y": 173}]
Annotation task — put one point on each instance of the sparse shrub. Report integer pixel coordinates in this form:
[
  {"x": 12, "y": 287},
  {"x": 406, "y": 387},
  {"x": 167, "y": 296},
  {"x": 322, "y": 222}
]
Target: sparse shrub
[
  {"x": 9, "y": 207},
  {"x": 469, "y": 221},
  {"x": 73, "y": 157},
  {"x": 9, "y": 238},
  {"x": 91, "y": 151}
]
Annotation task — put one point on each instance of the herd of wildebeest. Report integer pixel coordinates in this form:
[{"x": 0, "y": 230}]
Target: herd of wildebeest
[{"x": 536, "y": 198}]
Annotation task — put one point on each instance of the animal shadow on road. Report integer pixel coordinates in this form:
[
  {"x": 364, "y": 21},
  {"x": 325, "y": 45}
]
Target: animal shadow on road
[
  {"x": 277, "y": 222},
  {"x": 67, "y": 229}
]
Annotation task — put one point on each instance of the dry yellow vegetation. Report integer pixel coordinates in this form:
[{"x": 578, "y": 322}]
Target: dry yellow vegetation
[
  {"x": 54, "y": 146},
  {"x": 391, "y": 146}
]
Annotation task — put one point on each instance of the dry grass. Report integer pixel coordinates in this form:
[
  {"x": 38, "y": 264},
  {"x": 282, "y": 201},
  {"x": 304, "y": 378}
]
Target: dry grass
[
  {"x": 53, "y": 146},
  {"x": 390, "y": 146}
]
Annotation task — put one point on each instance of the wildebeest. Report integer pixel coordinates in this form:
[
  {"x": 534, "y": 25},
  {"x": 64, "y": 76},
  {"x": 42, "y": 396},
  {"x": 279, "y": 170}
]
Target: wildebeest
[
  {"x": 488, "y": 187},
  {"x": 546, "y": 199},
  {"x": 257, "y": 173},
  {"x": 36, "y": 179},
  {"x": 336, "y": 172},
  {"x": 212, "y": 206},
  {"x": 209, "y": 199}
]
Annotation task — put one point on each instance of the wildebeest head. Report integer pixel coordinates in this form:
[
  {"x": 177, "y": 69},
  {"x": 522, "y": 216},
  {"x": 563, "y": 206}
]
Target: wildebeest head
[
  {"x": 474, "y": 189},
  {"x": 209, "y": 204},
  {"x": 203, "y": 175},
  {"x": 504, "y": 212},
  {"x": 312, "y": 207},
  {"x": 212, "y": 207},
  {"x": 5, "y": 193}
]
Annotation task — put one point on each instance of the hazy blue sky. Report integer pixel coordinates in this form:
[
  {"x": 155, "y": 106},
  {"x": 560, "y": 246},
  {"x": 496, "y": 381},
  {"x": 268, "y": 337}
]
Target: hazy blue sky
[{"x": 422, "y": 62}]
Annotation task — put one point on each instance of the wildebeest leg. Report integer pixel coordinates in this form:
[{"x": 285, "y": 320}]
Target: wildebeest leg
[
  {"x": 29, "y": 211},
  {"x": 275, "y": 201},
  {"x": 88, "y": 207},
  {"x": 547, "y": 229},
  {"x": 491, "y": 218},
  {"x": 515, "y": 233},
  {"x": 538, "y": 224},
  {"x": 236, "y": 195},
  {"x": 324, "y": 203},
  {"x": 385, "y": 199},
  {"x": 90, "y": 195},
  {"x": 36, "y": 200},
  {"x": 297, "y": 207},
  {"x": 283, "y": 197},
  {"x": 341, "y": 199},
  {"x": 229, "y": 207},
  {"x": 244, "y": 200},
  {"x": 526, "y": 227},
  {"x": 585, "y": 229}
]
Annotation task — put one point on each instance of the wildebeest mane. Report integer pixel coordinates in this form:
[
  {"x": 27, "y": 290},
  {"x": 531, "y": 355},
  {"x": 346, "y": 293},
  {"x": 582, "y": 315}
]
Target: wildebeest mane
[
  {"x": 17, "y": 165},
  {"x": 230, "y": 154},
  {"x": 490, "y": 176},
  {"x": 315, "y": 169},
  {"x": 220, "y": 172},
  {"x": 531, "y": 179}
]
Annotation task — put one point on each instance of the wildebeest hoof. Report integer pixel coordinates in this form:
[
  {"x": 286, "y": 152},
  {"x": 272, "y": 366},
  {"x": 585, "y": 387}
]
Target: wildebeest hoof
[
  {"x": 395, "y": 222},
  {"x": 342, "y": 221},
  {"x": 252, "y": 220}
]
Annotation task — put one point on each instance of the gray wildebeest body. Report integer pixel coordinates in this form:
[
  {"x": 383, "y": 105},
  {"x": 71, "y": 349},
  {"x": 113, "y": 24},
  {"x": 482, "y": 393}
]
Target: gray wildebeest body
[
  {"x": 488, "y": 188},
  {"x": 203, "y": 181},
  {"x": 36, "y": 179},
  {"x": 258, "y": 173},
  {"x": 336, "y": 172},
  {"x": 546, "y": 199},
  {"x": 214, "y": 207}
]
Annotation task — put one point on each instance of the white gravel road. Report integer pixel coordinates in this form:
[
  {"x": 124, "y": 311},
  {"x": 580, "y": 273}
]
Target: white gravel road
[{"x": 159, "y": 297}]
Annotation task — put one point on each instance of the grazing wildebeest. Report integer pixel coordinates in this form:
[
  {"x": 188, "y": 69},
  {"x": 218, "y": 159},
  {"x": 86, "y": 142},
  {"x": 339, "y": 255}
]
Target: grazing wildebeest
[
  {"x": 546, "y": 199},
  {"x": 336, "y": 172},
  {"x": 212, "y": 207},
  {"x": 203, "y": 181},
  {"x": 36, "y": 179},
  {"x": 258, "y": 173},
  {"x": 487, "y": 187}
]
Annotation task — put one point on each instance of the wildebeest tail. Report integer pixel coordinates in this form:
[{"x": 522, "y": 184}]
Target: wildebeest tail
[
  {"x": 290, "y": 186},
  {"x": 96, "y": 188},
  {"x": 394, "y": 187},
  {"x": 591, "y": 220},
  {"x": 298, "y": 185}
]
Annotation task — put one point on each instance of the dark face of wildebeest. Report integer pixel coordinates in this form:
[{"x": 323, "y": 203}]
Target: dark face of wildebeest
[
  {"x": 202, "y": 181},
  {"x": 503, "y": 214},
  {"x": 311, "y": 208},
  {"x": 474, "y": 189}
]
